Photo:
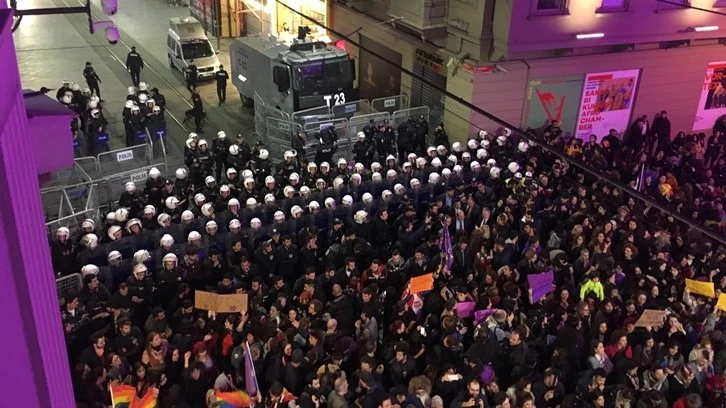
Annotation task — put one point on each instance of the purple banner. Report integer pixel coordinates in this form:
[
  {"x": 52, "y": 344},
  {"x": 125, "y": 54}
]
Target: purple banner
[
  {"x": 250, "y": 376},
  {"x": 541, "y": 284},
  {"x": 464, "y": 309}
]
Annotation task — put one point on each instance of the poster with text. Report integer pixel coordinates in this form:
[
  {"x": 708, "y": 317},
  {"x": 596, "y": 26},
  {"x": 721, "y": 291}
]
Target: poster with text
[
  {"x": 376, "y": 77},
  {"x": 606, "y": 103},
  {"x": 549, "y": 99},
  {"x": 712, "y": 103}
]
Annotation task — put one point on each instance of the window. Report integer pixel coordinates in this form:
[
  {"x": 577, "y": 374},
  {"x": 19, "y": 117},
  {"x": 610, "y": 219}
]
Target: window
[
  {"x": 549, "y": 7},
  {"x": 612, "y": 5},
  {"x": 672, "y": 5}
]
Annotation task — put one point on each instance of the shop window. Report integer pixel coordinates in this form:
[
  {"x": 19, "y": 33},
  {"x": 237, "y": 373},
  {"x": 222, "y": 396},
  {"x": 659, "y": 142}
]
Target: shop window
[
  {"x": 607, "y": 6},
  {"x": 548, "y": 7}
]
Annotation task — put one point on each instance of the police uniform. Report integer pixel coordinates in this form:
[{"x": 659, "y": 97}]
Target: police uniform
[
  {"x": 134, "y": 64},
  {"x": 221, "y": 76}
]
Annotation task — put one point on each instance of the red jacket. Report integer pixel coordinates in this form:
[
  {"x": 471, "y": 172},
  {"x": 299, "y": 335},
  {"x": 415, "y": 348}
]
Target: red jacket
[{"x": 612, "y": 350}]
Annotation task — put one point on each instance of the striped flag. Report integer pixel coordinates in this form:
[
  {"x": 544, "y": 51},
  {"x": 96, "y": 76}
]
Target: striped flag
[
  {"x": 445, "y": 244},
  {"x": 250, "y": 375}
]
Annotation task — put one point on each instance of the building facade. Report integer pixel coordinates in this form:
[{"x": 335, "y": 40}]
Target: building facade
[{"x": 593, "y": 64}]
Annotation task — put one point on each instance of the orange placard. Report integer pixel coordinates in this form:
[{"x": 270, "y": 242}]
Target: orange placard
[
  {"x": 234, "y": 303},
  {"x": 651, "y": 318},
  {"x": 701, "y": 288},
  {"x": 421, "y": 283},
  {"x": 721, "y": 302},
  {"x": 205, "y": 300}
]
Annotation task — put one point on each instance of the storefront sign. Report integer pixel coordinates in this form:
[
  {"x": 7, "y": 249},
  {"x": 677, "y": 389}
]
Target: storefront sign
[
  {"x": 606, "y": 103},
  {"x": 430, "y": 60},
  {"x": 202, "y": 11},
  {"x": 549, "y": 99},
  {"x": 474, "y": 69},
  {"x": 712, "y": 103}
]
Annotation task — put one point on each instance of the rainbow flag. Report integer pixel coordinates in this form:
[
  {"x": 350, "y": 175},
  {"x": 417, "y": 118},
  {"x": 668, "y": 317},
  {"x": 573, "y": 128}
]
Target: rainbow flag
[
  {"x": 286, "y": 396},
  {"x": 147, "y": 401},
  {"x": 233, "y": 399},
  {"x": 122, "y": 395}
]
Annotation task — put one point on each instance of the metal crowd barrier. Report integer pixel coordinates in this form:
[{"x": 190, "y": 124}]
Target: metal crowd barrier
[
  {"x": 68, "y": 286},
  {"x": 124, "y": 160}
]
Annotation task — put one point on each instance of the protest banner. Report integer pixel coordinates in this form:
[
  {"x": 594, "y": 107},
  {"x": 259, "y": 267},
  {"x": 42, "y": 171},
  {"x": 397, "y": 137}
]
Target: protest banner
[
  {"x": 422, "y": 283},
  {"x": 721, "y": 302},
  {"x": 651, "y": 318},
  {"x": 234, "y": 303},
  {"x": 541, "y": 284},
  {"x": 700, "y": 288}
]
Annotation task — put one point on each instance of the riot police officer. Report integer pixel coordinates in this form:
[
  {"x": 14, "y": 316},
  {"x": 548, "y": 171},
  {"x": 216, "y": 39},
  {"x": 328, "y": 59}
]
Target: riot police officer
[{"x": 134, "y": 64}]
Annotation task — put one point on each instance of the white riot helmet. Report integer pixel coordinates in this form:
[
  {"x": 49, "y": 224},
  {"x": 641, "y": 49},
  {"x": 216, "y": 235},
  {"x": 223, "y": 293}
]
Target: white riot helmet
[
  {"x": 113, "y": 256},
  {"x": 63, "y": 232},
  {"x": 143, "y": 86},
  {"x": 481, "y": 154},
  {"x": 166, "y": 241},
  {"x": 288, "y": 155},
  {"x": 436, "y": 162},
  {"x": 458, "y": 169},
  {"x": 330, "y": 202},
  {"x": 163, "y": 220},
  {"x": 456, "y": 147},
  {"x": 269, "y": 199},
  {"x": 513, "y": 167},
  {"x": 264, "y": 154},
  {"x": 440, "y": 149},
  {"x": 143, "y": 98},
  {"x": 202, "y": 142},
  {"x": 132, "y": 222},
  {"x": 251, "y": 202},
  {"x": 90, "y": 241},
  {"x": 96, "y": 112},
  {"x": 360, "y": 216},
  {"x": 111, "y": 217},
  {"x": 414, "y": 182},
  {"x": 375, "y": 166},
  {"x": 75, "y": 87},
  {"x": 255, "y": 223},
  {"x": 113, "y": 231},
  {"x": 356, "y": 177},
  {"x": 194, "y": 236},
  {"x": 130, "y": 187},
  {"x": 446, "y": 172},
  {"x": 420, "y": 162},
  {"x": 342, "y": 162},
  {"x": 376, "y": 177},
  {"x": 359, "y": 168},
  {"x": 294, "y": 177},
  {"x": 501, "y": 140},
  {"x": 224, "y": 189},
  {"x": 233, "y": 203},
  {"x": 304, "y": 191},
  {"x": 386, "y": 195},
  {"x": 312, "y": 165},
  {"x": 347, "y": 200},
  {"x": 361, "y": 136},
  {"x": 122, "y": 215},
  {"x": 249, "y": 182},
  {"x": 180, "y": 174},
  {"x": 507, "y": 132},
  {"x": 296, "y": 211},
  {"x": 247, "y": 173},
  {"x": 411, "y": 157},
  {"x": 187, "y": 216},
  {"x": 324, "y": 165},
  {"x": 207, "y": 209},
  {"x": 494, "y": 172},
  {"x": 485, "y": 144},
  {"x": 399, "y": 189},
  {"x": 139, "y": 270},
  {"x": 367, "y": 197},
  {"x": 235, "y": 224},
  {"x": 288, "y": 191},
  {"x": 465, "y": 155},
  {"x": 230, "y": 172},
  {"x": 279, "y": 216},
  {"x": 67, "y": 99},
  {"x": 170, "y": 257},
  {"x": 482, "y": 134},
  {"x": 391, "y": 174},
  {"x": 211, "y": 226},
  {"x": 221, "y": 135},
  {"x": 269, "y": 180},
  {"x": 171, "y": 202},
  {"x": 89, "y": 269},
  {"x": 131, "y": 90},
  {"x": 154, "y": 173},
  {"x": 453, "y": 159},
  {"x": 234, "y": 150},
  {"x": 491, "y": 163},
  {"x": 193, "y": 135},
  {"x": 129, "y": 104},
  {"x": 523, "y": 147},
  {"x": 434, "y": 178},
  {"x": 150, "y": 210},
  {"x": 199, "y": 199},
  {"x": 472, "y": 144},
  {"x": 475, "y": 165},
  {"x": 338, "y": 183},
  {"x": 141, "y": 256},
  {"x": 209, "y": 180}
]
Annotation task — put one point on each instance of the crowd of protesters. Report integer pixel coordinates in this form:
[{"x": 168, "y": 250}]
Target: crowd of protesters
[{"x": 325, "y": 252}]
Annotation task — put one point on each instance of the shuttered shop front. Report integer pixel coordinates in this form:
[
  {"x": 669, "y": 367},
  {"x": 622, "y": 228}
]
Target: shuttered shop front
[
  {"x": 431, "y": 67},
  {"x": 253, "y": 25}
]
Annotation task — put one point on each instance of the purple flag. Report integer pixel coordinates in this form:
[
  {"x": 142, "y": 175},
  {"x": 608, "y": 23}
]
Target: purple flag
[
  {"x": 541, "y": 284},
  {"x": 250, "y": 376},
  {"x": 464, "y": 309},
  {"x": 481, "y": 315},
  {"x": 446, "y": 246}
]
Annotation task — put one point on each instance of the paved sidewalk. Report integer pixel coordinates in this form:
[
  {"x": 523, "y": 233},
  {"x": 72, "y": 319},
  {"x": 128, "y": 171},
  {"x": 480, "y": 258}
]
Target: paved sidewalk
[{"x": 53, "y": 48}]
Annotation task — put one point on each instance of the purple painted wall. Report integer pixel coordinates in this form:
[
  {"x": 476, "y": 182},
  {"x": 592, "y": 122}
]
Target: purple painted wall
[
  {"x": 641, "y": 23},
  {"x": 48, "y": 122},
  {"x": 34, "y": 370}
]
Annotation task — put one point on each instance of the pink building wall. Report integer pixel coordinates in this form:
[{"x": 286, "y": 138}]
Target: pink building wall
[
  {"x": 643, "y": 22},
  {"x": 34, "y": 370}
]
